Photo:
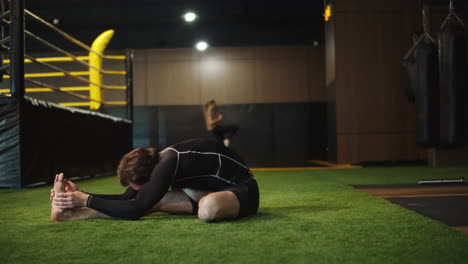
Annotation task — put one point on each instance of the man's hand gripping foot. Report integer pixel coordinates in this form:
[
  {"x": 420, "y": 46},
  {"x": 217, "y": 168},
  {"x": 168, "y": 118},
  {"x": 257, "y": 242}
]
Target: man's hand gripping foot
[{"x": 57, "y": 214}]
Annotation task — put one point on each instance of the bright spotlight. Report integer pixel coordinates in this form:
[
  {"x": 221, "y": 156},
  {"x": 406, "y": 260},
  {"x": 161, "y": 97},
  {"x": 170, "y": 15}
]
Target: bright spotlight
[
  {"x": 190, "y": 16},
  {"x": 201, "y": 46}
]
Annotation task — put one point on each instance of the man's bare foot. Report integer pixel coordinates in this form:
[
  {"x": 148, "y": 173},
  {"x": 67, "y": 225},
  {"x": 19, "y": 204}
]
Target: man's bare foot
[
  {"x": 59, "y": 184},
  {"x": 57, "y": 214}
]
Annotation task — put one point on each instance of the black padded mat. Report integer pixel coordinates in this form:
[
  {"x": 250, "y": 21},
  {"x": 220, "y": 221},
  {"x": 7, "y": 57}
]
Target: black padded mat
[{"x": 450, "y": 210}]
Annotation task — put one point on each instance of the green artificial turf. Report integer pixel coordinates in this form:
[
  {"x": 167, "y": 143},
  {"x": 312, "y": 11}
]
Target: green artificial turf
[{"x": 305, "y": 216}]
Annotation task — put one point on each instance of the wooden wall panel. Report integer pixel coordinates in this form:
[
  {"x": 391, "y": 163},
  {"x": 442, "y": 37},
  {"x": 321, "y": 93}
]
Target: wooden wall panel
[
  {"x": 330, "y": 83},
  {"x": 281, "y": 52},
  {"x": 228, "y": 82},
  {"x": 316, "y": 74},
  {"x": 372, "y": 6},
  {"x": 157, "y": 82},
  {"x": 374, "y": 120},
  {"x": 172, "y": 83},
  {"x": 230, "y": 53},
  {"x": 330, "y": 56},
  {"x": 281, "y": 80},
  {"x": 360, "y": 148},
  {"x": 165, "y": 55},
  {"x": 231, "y": 75},
  {"x": 448, "y": 156},
  {"x": 370, "y": 75},
  {"x": 139, "y": 77}
]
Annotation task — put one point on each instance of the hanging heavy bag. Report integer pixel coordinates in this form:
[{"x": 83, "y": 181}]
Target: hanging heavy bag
[
  {"x": 427, "y": 94},
  {"x": 453, "y": 82},
  {"x": 410, "y": 76},
  {"x": 410, "y": 73}
]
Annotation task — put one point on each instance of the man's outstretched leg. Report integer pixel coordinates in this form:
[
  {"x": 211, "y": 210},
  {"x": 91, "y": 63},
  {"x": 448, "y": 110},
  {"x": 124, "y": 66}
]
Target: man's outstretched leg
[
  {"x": 174, "y": 202},
  {"x": 209, "y": 206},
  {"x": 183, "y": 201}
]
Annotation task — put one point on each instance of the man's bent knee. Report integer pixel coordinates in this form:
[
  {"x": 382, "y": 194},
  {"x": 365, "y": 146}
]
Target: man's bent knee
[
  {"x": 208, "y": 209},
  {"x": 218, "y": 206}
]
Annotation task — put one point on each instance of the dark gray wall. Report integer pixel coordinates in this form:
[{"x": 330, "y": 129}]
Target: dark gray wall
[{"x": 285, "y": 134}]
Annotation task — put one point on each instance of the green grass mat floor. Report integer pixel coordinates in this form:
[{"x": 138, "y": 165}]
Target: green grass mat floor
[{"x": 305, "y": 216}]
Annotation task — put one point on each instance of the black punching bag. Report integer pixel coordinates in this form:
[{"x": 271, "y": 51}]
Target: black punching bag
[
  {"x": 427, "y": 94},
  {"x": 453, "y": 82},
  {"x": 410, "y": 75}
]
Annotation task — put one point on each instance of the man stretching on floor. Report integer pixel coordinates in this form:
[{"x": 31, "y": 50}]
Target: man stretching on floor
[{"x": 199, "y": 176}]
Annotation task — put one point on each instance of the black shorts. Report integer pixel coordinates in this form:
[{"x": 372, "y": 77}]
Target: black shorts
[
  {"x": 249, "y": 197},
  {"x": 223, "y": 132}
]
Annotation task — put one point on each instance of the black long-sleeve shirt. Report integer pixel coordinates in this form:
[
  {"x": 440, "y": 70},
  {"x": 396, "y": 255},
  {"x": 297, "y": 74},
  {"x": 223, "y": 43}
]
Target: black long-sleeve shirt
[{"x": 201, "y": 164}]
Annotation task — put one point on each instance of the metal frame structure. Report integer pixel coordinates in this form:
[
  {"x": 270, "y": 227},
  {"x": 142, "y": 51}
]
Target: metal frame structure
[{"x": 34, "y": 148}]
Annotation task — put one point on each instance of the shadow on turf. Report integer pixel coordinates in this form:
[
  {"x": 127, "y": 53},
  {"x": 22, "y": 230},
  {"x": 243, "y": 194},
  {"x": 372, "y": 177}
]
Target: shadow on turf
[
  {"x": 290, "y": 211},
  {"x": 163, "y": 216},
  {"x": 264, "y": 214}
]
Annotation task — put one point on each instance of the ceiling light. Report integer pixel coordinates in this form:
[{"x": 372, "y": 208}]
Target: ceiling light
[
  {"x": 190, "y": 16},
  {"x": 201, "y": 46}
]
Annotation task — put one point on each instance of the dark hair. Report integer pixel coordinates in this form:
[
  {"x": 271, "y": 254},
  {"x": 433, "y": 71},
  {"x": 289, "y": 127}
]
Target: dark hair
[{"x": 137, "y": 165}]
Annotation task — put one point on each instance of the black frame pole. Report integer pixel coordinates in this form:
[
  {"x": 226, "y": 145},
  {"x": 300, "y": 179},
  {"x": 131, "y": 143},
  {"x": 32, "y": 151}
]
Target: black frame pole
[
  {"x": 17, "y": 49},
  {"x": 129, "y": 83}
]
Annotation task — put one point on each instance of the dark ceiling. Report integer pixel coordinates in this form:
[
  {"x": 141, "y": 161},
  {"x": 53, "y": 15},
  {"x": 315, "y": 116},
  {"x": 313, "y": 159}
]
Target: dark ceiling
[{"x": 159, "y": 23}]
